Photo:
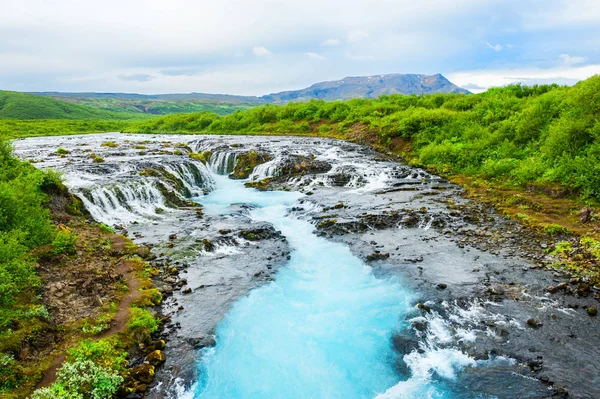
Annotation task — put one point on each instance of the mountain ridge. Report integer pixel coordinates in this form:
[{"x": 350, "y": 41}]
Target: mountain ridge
[{"x": 342, "y": 89}]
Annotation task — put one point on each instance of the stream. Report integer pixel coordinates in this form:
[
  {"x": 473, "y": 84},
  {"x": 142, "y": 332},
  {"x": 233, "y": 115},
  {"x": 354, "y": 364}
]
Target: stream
[{"x": 352, "y": 275}]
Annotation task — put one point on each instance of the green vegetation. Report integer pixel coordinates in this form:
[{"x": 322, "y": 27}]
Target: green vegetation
[
  {"x": 82, "y": 379},
  {"x": 24, "y": 106},
  {"x": 141, "y": 324},
  {"x": 157, "y": 107},
  {"x": 12, "y": 128},
  {"x": 547, "y": 135},
  {"x": 24, "y": 225},
  {"x": 64, "y": 242}
]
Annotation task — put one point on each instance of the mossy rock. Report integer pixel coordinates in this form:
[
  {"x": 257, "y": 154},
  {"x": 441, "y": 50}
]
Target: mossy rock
[
  {"x": 246, "y": 162},
  {"x": 377, "y": 256},
  {"x": 261, "y": 185},
  {"x": 156, "y": 358},
  {"x": 327, "y": 223}
]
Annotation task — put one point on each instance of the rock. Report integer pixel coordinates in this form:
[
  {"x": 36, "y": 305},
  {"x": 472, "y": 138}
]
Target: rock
[
  {"x": 224, "y": 231},
  {"x": 172, "y": 236},
  {"x": 246, "y": 162},
  {"x": 534, "y": 323},
  {"x": 535, "y": 364},
  {"x": 261, "y": 185},
  {"x": 187, "y": 290},
  {"x": 404, "y": 344},
  {"x": 424, "y": 307},
  {"x": 299, "y": 165},
  {"x": 585, "y": 215},
  {"x": 156, "y": 358},
  {"x": 553, "y": 289},
  {"x": 165, "y": 289},
  {"x": 377, "y": 256},
  {"x": 442, "y": 286},
  {"x": 592, "y": 311},
  {"x": 156, "y": 345},
  {"x": 202, "y": 342},
  {"x": 143, "y": 252},
  {"x": 208, "y": 246},
  {"x": 419, "y": 325},
  {"x": 261, "y": 233},
  {"x": 143, "y": 373}
]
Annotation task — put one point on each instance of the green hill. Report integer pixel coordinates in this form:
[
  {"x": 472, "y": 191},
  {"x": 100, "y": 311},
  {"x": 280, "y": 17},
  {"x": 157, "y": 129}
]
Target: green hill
[{"x": 23, "y": 106}]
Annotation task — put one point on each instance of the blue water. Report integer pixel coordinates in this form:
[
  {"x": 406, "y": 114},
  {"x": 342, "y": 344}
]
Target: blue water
[{"x": 322, "y": 329}]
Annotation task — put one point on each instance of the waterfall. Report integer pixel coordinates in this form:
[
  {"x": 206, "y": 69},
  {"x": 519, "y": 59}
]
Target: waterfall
[
  {"x": 223, "y": 162},
  {"x": 138, "y": 194}
]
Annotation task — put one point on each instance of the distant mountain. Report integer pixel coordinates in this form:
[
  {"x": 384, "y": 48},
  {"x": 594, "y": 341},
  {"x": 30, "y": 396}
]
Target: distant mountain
[
  {"x": 368, "y": 87},
  {"x": 223, "y": 104}
]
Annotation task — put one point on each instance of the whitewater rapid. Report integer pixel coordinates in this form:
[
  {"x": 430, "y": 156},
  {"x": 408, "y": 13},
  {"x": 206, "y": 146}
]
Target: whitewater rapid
[{"x": 322, "y": 329}]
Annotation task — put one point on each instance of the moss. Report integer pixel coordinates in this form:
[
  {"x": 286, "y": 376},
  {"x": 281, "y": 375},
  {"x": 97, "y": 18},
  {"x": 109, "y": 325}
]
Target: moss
[
  {"x": 261, "y": 185},
  {"x": 562, "y": 247},
  {"x": 62, "y": 151},
  {"x": 246, "y": 162},
  {"x": 555, "y": 229},
  {"x": 203, "y": 157},
  {"x": 327, "y": 223},
  {"x": 141, "y": 324},
  {"x": 110, "y": 144}
]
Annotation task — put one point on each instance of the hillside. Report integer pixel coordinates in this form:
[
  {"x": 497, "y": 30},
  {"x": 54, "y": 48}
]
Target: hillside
[
  {"x": 368, "y": 87},
  {"x": 224, "y": 104},
  {"x": 25, "y": 106},
  {"x": 154, "y": 105}
]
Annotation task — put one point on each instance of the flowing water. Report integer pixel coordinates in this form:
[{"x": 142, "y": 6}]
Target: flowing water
[
  {"x": 300, "y": 313},
  {"x": 321, "y": 329}
]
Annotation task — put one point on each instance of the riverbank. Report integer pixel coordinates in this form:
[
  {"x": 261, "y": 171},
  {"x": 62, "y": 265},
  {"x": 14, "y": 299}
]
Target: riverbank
[
  {"x": 407, "y": 224},
  {"x": 94, "y": 291}
]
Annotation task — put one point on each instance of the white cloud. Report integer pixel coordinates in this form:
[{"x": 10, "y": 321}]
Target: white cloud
[
  {"x": 495, "y": 47},
  {"x": 86, "y": 45},
  {"x": 485, "y": 79},
  {"x": 314, "y": 56},
  {"x": 261, "y": 52},
  {"x": 331, "y": 42},
  {"x": 136, "y": 77},
  {"x": 572, "y": 60},
  {"x": 357, "y": 35}
]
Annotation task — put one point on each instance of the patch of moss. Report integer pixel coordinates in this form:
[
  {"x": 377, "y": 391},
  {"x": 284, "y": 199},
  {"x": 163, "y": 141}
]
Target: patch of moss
[
  {"x": 246, "y": 162},
  {"x": 261, "y": 185}
]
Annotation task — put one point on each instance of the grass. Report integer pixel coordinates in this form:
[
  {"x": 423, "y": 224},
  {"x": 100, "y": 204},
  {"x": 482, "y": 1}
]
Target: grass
[
  {"x": 13, "y": 129},
  {"x": 157, "y": 107},
  {"x": 24, "y": 106}
]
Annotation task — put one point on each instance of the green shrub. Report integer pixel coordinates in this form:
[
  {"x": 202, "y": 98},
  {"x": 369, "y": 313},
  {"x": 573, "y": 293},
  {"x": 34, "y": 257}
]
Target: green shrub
[
  {"x": 105, "y": 228},
  {"x": 10, "y": 372},
  {"x": 141, "y": 324},
  {"x": 102, "y": 352},
  {"x": 81, "y": 379},
  {"x": 555, "y": 229},
  {"x": 64, "y": 243}
]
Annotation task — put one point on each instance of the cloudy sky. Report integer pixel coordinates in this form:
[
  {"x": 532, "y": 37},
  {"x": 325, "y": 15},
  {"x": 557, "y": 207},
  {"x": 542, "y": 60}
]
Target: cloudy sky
[{"x": 256, "y": 47}]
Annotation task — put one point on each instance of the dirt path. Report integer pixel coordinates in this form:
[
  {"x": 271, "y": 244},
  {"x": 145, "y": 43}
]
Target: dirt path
[{"x": 118, "y": 323}]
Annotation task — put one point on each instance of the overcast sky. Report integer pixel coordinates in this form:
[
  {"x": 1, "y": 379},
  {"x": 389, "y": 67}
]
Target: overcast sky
[{"x": 256, "y": 47}]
